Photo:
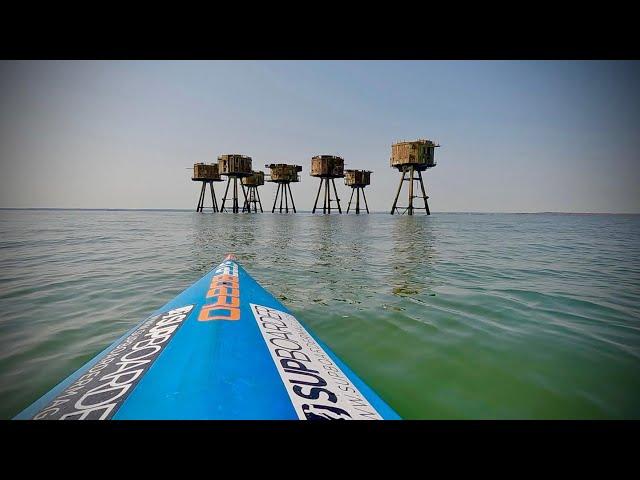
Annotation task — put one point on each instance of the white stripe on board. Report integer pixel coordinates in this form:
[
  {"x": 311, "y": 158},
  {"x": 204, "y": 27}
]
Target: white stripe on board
[{"x": 318, "y": 389}]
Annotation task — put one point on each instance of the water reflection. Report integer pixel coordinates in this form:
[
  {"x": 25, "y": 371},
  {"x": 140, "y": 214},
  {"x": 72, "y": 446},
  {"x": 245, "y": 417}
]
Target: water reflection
[
  {"x": 214, "y": 236},
  {"x": 413, "y": 241},
  {"x": 282, "y": 234},
  {"x": 342, "y": 260},
  {"x": 325, "y": 240}
]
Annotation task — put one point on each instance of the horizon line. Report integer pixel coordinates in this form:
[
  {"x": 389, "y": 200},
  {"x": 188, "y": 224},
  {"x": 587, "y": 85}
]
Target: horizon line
[{"x": 309, "y": 211}]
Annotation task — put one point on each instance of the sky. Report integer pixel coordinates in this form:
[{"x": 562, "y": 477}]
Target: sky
[{"x": 515, "y": 136}]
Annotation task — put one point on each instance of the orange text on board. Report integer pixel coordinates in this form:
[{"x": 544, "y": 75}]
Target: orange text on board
[{"x": 223, "y": 296}]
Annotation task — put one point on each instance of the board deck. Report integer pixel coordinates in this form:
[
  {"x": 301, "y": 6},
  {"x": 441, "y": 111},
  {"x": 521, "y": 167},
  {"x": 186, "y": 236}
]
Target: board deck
[{"x": 224, "y": 348}]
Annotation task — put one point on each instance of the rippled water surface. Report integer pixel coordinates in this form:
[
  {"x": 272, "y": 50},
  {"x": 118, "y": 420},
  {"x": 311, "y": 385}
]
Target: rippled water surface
[{"x": 447, "y": 316}]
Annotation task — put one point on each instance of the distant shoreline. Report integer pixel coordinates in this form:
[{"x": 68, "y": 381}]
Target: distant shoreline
[{"x": 303, "y": 211}]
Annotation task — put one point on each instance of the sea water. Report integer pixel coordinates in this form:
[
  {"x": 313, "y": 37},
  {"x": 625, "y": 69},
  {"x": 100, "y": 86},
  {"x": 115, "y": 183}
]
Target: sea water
[{"x": 455, "y": 316}]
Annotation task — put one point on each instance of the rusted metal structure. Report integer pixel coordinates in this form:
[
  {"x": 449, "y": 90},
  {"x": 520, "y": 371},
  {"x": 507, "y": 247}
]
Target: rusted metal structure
[
  {"x": 253, "y": 196},
  {"x": 328, "y": 168},
  {"x": 234, "y": 166},
  {"x": 207, "y": 174},
  {"x": 284, "y": 174},
  {"x": 412, "y": 157},
  {"x": 357, "y": 180}
]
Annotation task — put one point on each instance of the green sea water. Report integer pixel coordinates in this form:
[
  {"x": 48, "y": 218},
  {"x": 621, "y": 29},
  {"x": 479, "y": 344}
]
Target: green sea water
[{"x": 452, "y": 316}]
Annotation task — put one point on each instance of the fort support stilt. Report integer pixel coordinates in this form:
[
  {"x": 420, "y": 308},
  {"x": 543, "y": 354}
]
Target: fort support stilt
[
  {"x": 293, "y": 205},
  {"x": 203, "y": 191},
  {"x": 226, "y": 191},
  {"x": 259, "y": 201},
  {"x": 284, "y": 174},
  {"x": 350, "y": 198},
  {"x": 357, "y": 191},
  {"x": 333, "y": 181},
  {"x": 327, "y": 196},
  {"x": 276, "y": 198},
  {"x": 201, "y": 198},
  {"x": 424, "y": 194},
  {"x": 214, "y": 200},
  {"x": 395, "y": 201},
  {"x": 206, "y": 174},
  {"x": 365, "y": 201},
  {"x": 317, "y": 197},
  {"x": 411, "y": 207},
  {"x": 327, "y": 168},
  {"x": 253, "y": 198},
  {"x": 235, "y": 205},
  {"x": 357, "y": 180}
]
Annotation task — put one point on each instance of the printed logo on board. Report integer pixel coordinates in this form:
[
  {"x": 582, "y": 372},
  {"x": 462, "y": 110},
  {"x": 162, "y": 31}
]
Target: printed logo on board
[
  {"x": 99, "y": 393},
  {"x": 223, "y": 296},
  {"x": 317, "y": 387}
]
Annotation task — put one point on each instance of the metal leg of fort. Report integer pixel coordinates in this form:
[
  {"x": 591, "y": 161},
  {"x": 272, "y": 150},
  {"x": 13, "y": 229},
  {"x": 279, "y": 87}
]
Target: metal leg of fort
[
  {"x": 350, "y": 198},
  {"x": 326, "y": 190},
  {"x": 357, "y": 201},
  {"x": 410, "y": 211},
  {"x": 286, "y": 203},
  {"x": 204, "y": 193},
  {"x": 233, "y": 196},
  {"x": 238, "y": 195},
  {"x": 234, "y": 201},
  {"x": 246, "y": 205},
  {"x": 365, "y": 200},
  {"x": 213, "y": 198},
  {"x": 233, "y": 189},
  {"x": 317, "y": 197},
  {"x": 224, "y": 199},
  {"x": 259, "y": 201},
  {"x": 293, "y": 205},
  {"x": 281, "y": 202},
  {"x": 327, "y": 194},
  {"x": 424, "y": 194},
  {"x": 200, "y": 198},
  {"x": 336, "y": 192},
  {"x": 244, "y": 193},
  {"x": 214, "y": 207},
  {"x": 236, "y": 198},
  {"x": 275, "y": 200},
  {"x": 395, "y": 202}
]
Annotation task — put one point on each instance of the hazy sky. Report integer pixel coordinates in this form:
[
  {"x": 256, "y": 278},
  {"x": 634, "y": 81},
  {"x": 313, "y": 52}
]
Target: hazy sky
[{"x": 515, "y": 136}]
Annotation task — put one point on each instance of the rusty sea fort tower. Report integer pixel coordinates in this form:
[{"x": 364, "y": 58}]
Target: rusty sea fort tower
[
  {"x": 253, "y": 196},
  {"x": 357, "y": 180},
  {"x": 207, "y": 174},
  {"x": 234, "y": 166},
  {"x": 328, "y": 168},
  {"x": 284, "y": 174},
  {"x": 412, "y": 157}
]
